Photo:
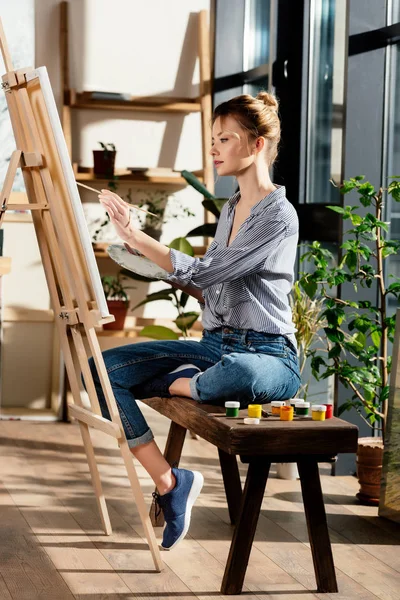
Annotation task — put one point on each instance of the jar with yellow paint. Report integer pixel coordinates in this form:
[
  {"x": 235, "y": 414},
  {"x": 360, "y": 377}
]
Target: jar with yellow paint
[
  {"x": 254, "y": 411},
  {"x": 318, "y": 412}
]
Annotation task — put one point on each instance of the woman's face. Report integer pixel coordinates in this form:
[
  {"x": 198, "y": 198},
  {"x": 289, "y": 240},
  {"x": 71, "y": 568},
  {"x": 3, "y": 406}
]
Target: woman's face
[{"x": 231, "y": 149}]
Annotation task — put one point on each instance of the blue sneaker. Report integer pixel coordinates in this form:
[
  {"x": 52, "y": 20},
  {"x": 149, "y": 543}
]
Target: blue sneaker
[
  {"x": 160, "y": 385},
  {"x": 177, "y": 505}
]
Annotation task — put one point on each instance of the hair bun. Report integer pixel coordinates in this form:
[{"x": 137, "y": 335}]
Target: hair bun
[{"x": 268, "y": 100}]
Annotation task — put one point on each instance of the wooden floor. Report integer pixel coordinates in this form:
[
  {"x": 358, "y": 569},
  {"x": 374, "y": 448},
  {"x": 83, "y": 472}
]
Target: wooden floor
[{"x": 52, "y": 547}]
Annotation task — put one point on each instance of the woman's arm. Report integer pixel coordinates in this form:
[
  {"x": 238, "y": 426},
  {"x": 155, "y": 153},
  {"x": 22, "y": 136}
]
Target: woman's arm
[{"x": 119, "y": 212}]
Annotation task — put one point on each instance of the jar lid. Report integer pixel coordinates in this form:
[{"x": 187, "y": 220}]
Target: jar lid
[
  {"x": 232, "y": 404},
  {"x": 319, "y": 407},
  {"x": 302, "y": 404},
  {"x": 278, "y": 403},
  {"x": 251, "y": 421}
]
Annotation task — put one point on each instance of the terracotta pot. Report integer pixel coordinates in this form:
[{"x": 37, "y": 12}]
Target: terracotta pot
[
  {"x": 369, "y": 469},
  {"x": 104, "y": 162},
  {"x": 119, "y": 309}
]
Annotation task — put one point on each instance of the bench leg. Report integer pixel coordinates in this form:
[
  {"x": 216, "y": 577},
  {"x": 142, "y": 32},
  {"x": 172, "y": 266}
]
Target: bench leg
[
  {"x": 245, "y": 529},
  {"x": 317, "y": 526},
  {"x": 233, "y": 487},
  {"x": 172, "y": 454}
]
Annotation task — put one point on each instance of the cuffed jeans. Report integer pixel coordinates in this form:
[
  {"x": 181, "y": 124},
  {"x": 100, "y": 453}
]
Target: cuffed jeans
[{"x": 236, "y": 364}]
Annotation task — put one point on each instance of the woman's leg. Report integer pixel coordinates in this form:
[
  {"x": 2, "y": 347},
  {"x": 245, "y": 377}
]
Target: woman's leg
[
  {"x": 246, "y": 378},
  {"x": 133, "y": 366},
  {"x": 128, "y": 369}
]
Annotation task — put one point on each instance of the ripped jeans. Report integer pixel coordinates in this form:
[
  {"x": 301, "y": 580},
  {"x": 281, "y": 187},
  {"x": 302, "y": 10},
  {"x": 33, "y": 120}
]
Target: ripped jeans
[{"x": 236, "y": 364}]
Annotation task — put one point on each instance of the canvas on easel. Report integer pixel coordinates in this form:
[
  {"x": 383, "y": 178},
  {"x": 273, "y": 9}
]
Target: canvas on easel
[{"x": 69, "y": 263}]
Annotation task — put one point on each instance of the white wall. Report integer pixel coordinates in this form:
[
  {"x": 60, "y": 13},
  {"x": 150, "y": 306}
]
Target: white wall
[{"x": 141, "y": 48}]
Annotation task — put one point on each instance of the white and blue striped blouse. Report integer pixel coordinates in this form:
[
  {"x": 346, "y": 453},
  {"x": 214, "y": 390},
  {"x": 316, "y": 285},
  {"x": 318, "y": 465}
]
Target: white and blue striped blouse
[{"x": 246, "y": 285}]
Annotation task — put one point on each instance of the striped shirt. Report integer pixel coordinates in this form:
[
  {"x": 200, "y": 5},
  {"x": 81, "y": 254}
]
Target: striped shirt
[{"x": 246, "y": 285}]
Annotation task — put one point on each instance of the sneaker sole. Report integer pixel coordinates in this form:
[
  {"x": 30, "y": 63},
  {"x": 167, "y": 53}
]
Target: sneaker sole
[{"x": 195, "y": 490}]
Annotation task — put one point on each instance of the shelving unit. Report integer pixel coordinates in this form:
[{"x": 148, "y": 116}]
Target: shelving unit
[{"x": 158, "y": 104}]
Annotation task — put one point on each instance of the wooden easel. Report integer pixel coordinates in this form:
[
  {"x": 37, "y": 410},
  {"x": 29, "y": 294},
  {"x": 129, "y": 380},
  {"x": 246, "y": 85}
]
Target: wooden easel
[{"x": 67, "y": 274}]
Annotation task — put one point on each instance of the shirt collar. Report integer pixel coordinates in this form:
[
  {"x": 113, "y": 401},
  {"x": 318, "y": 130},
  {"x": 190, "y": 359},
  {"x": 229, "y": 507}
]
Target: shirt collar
[{"x": 280, "y": 192}]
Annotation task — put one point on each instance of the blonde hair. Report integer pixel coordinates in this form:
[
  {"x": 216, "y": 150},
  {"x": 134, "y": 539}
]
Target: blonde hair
[{"x": 258, "y": 116}]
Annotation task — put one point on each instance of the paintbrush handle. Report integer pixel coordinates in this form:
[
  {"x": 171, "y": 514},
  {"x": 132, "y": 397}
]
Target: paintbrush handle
[{"x": 131, "y": 205}]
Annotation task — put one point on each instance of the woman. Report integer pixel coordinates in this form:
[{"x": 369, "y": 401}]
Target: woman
[{"x": 248, "y": 349}]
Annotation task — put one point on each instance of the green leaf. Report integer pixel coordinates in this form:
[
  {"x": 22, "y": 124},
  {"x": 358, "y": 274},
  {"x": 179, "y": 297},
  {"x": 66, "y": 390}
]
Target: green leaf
[
  {"x": 182, "y": 245},
  {"x": 359, "y": 177},
  {"x": 334, "y": 335},
  {"x": 335, "y": 351},
  {"x": 158, "y": 332},
  {"x": 347, "y": 186},
  {"x": 345, "y": 406},
  {"x": 338, "y": 209},
  {"x": 196, "y": 184},
  {"x": 376, "y": 338},
  {"x": 310, "y": 287},
  {"x": 206, "y": 230},
  {"x": 183, "y": 299},
  {"x": 215, "y": 205},
  {"x": 185, "y": 321},
  {"x": 366, "y": 189},
  {"x": 161, "y": 295},
  {"x": 356, "y": 219},
  {"x": 351, "y": 261}
]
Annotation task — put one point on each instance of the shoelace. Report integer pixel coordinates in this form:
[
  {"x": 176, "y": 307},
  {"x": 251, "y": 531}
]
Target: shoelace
[
  {"x": 156, "y": 496},
  {"x": 157, "y": 504}
]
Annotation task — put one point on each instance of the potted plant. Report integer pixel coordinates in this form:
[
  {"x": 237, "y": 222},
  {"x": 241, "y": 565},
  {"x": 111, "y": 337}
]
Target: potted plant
[
  {"x": 358, "y": 332},
  {"x": 104, "y": 160},
  {"x": 117, "y": 300},
  {"x": 307, "y": 315}
]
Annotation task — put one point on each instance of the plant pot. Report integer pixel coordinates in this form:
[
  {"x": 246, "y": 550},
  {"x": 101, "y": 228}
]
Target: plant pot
[
  {"x": 287, "y": 471},
  {"x": 104, "y": 162},
  {"x": 369, "y": 469},
  {"x": 119, "y": 309}
]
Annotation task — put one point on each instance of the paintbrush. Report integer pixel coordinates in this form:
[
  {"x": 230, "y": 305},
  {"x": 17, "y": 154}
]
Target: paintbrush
[{"x": 131, "y": 205}]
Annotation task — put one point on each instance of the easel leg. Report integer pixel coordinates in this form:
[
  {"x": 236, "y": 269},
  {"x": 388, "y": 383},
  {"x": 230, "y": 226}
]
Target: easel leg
[
  {"x": 141, "y": 505},
  {"x": 245, "y": 529},
  {"x": 101, "y": 502},
  {"x": 317, "y": 526},
  {"x": 172, "y": 454},
  {"x": 233, "y": 487}
]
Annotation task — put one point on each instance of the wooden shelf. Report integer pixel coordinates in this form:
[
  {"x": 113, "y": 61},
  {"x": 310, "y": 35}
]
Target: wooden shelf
[
  {"x": 157, "y": 104},
  {"x": 124, "y": 175}
]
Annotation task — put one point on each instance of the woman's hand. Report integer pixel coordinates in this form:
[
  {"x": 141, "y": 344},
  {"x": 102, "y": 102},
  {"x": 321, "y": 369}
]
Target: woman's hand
[{"x": 119, "y": 213}]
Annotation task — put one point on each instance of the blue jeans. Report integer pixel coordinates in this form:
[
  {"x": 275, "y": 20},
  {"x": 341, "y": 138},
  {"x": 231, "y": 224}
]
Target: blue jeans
[{"x": 236, "y": 364}]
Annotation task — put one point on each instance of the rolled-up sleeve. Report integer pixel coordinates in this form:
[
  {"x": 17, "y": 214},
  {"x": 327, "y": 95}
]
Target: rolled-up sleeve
[{"x": 228, "y": 263}]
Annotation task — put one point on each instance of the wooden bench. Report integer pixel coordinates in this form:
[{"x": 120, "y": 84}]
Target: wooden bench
[{"x": 303, "y": 441}]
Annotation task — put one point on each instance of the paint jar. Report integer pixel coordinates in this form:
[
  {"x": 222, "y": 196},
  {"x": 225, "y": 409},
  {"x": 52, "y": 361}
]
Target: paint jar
[
  {"x": 232, "y": 409},
  {"x": 287, "y": 413},
  {"x": 294, "y": 401},
  {"x": 254, "y": 410},
  {"x": 318, "y": 412},
  {"x": 251, "y": 421},
  {"x": 302, "y": 409},
  {"x": 276, "y": 406},
  {"x": 329, "y": 411}
]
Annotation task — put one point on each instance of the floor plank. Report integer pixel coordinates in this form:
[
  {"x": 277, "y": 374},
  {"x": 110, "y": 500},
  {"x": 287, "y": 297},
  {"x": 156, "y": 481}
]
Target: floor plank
[{"x": 52, "y": 545}]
